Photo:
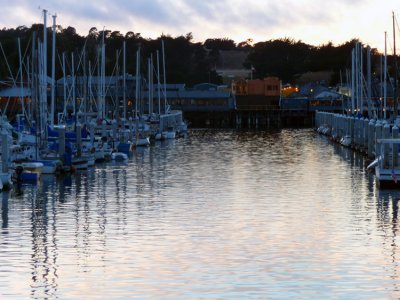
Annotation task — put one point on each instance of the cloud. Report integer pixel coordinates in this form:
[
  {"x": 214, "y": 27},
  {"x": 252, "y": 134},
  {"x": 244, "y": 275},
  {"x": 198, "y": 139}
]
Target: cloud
[{"x": 313, "y": 19}]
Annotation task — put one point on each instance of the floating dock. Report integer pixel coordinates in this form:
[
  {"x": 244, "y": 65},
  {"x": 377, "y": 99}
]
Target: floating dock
[{"x": 377, "y": 139}]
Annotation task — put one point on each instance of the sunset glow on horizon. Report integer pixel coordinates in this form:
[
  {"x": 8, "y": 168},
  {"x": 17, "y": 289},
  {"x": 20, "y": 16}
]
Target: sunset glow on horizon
[{"x": 311, "y": 21}]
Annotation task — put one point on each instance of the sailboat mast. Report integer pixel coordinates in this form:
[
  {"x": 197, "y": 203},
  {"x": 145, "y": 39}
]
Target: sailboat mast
[
  {"x": 124, "y": 77},
  {"x": 149, "y": 84},
  {"x": 99, "y": 106},
  {"x": 64, "y": 86},
  {"x": 90, "y": 88},
  {"x": 384, "y": 80},
  {"x": 137, "y": 82},
  {"x": 33, "y": 77},
  {"x": 158, "y": 83},
  {"x": 361, "y": 77},
  {"x": 21, "y": 77},
  {"x": 352, "y": 81},
  {"x": 395, "y": 71},
  {"x": 103, "y": 78},
  {"x": 369, "y": 92},
  {"x": 44, "y": 111},
  {"x": 165, "y": 79},
  {"x": 117, "y": 92},
  {"x": 53, "y": 72}
]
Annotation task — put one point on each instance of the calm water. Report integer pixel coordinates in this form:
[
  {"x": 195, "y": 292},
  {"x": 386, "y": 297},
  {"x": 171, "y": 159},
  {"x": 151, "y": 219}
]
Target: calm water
[{"x": 220, "y": 215}]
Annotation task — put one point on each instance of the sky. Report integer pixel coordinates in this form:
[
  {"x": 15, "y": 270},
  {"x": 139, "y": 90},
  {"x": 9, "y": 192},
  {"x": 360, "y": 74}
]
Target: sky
[{"x": 315, "y": 22}]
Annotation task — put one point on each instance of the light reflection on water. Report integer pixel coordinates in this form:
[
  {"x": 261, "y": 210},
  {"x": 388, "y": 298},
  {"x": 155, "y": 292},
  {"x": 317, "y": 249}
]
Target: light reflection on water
[{"x": 219, "y": 215}]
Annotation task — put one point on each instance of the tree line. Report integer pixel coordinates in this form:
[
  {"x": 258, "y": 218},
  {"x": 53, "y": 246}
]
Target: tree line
[{"x": 187, "y": 61}]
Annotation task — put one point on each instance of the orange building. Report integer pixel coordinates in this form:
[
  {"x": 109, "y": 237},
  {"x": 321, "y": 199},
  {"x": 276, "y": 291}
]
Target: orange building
[
  {"x": 269, "y": 86},
  {"x": 257, "y": 94}
]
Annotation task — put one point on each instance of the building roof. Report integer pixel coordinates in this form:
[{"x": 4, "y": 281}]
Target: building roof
[
  {"x": 312, "y": 88},
  {"x": 109, "y": 80},
  {"x": 205, "y": 87},
  {"x": 196, "y": 94},
  {"x": 15, "y": 92},
  {"x": 171, "y": 86},
  {"x": 328, "y": 95}
]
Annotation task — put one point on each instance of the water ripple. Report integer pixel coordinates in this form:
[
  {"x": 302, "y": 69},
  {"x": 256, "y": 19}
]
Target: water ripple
[{"x": 220, "y": 215}]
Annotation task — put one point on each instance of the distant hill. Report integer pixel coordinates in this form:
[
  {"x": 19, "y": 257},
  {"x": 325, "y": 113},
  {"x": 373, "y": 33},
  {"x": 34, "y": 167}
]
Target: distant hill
[{"x": 187, "y": 61}]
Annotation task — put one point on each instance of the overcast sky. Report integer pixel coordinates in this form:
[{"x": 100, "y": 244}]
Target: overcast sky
[{"x": 312, "y": 21}]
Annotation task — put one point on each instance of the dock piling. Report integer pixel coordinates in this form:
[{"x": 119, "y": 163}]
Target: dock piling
[
  {"x": 386, "y": 135},
  {"x": 371, "y": 138},
  {"x": 4, "y": 152},
  {"x": 395, "y": 148},
  {"x": 61, "y": 142}
]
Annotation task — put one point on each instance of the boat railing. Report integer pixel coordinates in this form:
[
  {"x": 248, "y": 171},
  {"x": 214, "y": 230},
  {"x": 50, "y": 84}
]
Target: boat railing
[
  {"x": 388, "y": 141},
  {"x": 388, "y": 152}
]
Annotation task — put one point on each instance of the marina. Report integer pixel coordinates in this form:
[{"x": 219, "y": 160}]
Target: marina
[
  {"x": 68, "y": 124},
  {"x": 125, "y": 174}
]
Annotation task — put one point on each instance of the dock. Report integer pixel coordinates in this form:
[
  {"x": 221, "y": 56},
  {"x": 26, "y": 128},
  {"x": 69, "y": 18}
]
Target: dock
[{"x": 377, "y": 139}]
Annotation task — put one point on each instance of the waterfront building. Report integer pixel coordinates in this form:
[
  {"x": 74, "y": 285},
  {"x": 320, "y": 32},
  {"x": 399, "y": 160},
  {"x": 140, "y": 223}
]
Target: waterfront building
[
  {"x": 257, "y": 102},
  {"x": 205, "y": 104}
]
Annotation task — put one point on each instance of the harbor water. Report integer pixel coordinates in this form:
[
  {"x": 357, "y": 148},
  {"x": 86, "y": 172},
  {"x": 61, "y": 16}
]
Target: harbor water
[{"x": 219, "y": 215}]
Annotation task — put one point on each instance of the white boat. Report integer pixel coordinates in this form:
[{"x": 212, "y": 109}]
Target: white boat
[
  {"x": 183, "y": 129},
  {"x": 324, "y": 129},
  {"x": 50, "y": 166},
  {"x": 80, "y": 163},
  {"x": 387, "y": 169},
  {"x": 345, "y": 141},
  {"x": 91, "y": 158},
  {"x": 99, "y": 155},
  {"x": 22, "y": 152},
  {"x": 107, "y": 150},
  {"x": 5, "y": 180},
  {"x": 31, "y": 171},
  {"x": 158, "y": 136},
  {"x": 169, "y": 134},
  {"x": 27, "y": 138},
  {"x": 119, "y": 156},
  {"x": 374, "y": 163},
  {"x": 142, "y": 141}
]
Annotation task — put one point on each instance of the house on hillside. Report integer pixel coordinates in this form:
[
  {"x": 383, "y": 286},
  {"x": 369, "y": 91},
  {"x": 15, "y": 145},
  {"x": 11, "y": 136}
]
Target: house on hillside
[{"x": 230, "y": 66}]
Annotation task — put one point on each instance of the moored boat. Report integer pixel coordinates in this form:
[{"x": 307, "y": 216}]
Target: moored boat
[
  {"x": 169, "y": 134},
  {"x": 5, "y": 180},
  {"x": 31, "y": 171},
  {"x": 79, "y": 163},
  {"x": 119, "y": 156},
  {"x": 387, "y": 167}
]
